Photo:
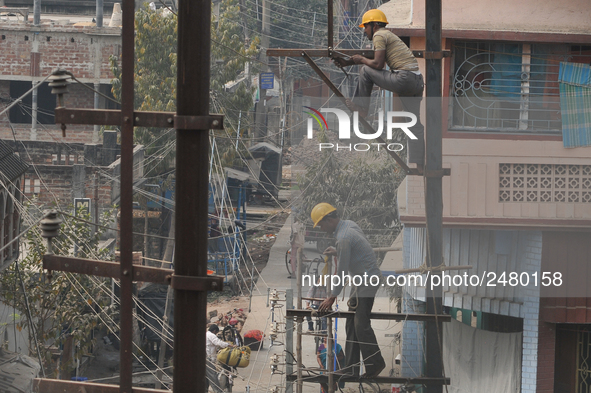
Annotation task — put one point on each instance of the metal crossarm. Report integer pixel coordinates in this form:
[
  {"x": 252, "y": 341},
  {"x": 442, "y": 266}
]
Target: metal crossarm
[
  {"x": 374, "y": 315},
  {"x": 60, "y": 386},
  {"x": 110, "y": 117},
  {"x": 369, "y": 53},
  {"x": 351, "y": 378},
  {"x": 137, "y": 273}
]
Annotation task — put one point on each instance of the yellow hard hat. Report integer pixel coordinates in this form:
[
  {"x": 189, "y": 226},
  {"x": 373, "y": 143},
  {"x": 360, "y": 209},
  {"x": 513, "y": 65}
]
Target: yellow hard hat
[
  {"x": 320, "y": 211},
  {"x": 373, "y": 16}
]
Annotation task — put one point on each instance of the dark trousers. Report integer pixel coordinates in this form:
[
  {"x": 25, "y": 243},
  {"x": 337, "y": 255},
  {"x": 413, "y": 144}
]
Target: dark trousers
[
  {"x": 361, "y": 338},
  {"x": 409, "y": 87}
]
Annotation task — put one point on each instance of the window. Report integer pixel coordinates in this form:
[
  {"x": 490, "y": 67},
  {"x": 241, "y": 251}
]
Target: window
[
  {"x": 21, "y": 113},
  {"x": 32, "y": 186},
  {"x": 509, "y": 87}
]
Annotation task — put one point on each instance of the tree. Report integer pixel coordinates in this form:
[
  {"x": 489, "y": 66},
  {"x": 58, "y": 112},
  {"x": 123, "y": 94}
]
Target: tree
[
  {"x": 154, "y": 82},
  {"x": 362, "y": 187},
  {"x": 156, "y": 74},
  {"x": 62, "y": 307},
  {"x": 155, "y": 78},
  {"x": 230, "y": 53}
]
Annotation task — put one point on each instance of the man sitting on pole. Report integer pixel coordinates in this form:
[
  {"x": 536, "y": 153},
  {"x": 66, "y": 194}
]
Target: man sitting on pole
[
  {"x": 402, "y": 78},
  {"x": 355, "y": 258}
]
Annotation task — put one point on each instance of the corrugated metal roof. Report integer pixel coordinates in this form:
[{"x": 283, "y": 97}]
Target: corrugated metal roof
[{"x": 11, "y": 165}]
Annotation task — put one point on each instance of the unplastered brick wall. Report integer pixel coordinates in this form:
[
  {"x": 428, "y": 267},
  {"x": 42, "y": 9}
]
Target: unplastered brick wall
[
  {"x": 82, "y": 50},
  {"x": 57, "y": 184},
  {"x": 49, "y": 133},
  {"x": 48, "y": 153},
  {"x": 79, "y": 96}
]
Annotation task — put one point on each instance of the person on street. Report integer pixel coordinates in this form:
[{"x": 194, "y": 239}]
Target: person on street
[
  {"x": 402, "y": 78},
  {"x": 356, "y": 258},
  {"x": 338, "y": 355},
  {"x": 315, "y": 292},
  {"x": 211, "y": 348}
]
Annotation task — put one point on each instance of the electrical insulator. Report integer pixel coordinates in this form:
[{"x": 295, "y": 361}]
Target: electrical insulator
[
  {"x": 274, "y": 295},
  {"x": 50, "y": 224},
  {"x": 58, "y": 81},
  {"x": 274, "y": 363}
]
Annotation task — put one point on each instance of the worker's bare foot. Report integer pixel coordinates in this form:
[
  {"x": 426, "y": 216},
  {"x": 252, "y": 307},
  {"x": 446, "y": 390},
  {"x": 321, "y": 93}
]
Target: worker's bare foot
[{"x": 355, "y": 108}]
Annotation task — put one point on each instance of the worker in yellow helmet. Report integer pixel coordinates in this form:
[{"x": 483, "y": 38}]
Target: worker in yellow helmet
[
  {"x": 403, "y": 76},
  {"x": 356, "y": 258}
]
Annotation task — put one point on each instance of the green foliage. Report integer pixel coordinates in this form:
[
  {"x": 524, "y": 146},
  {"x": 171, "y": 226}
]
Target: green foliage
[
  {"x": 362, "y": 189},
  {"x": 65, "y": 306},
  {"x": 156, "y": 74},
  {"x": 230, "y": 52},
  {"x": 154, "y": 81}
]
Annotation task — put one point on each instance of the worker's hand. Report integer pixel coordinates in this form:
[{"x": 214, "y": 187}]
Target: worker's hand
[
  {"x": 330, "y": 251},
  {"x": 342, "y": 62},
  {"x": 357, "y": 59},
  {"x": 327, "y": 304}
]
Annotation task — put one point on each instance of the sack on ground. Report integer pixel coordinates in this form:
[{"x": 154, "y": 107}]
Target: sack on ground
[
  {"x": 256, "y": 334},
  {"x": 235, "y": 357},
  {"x": 254, "y": 339}
]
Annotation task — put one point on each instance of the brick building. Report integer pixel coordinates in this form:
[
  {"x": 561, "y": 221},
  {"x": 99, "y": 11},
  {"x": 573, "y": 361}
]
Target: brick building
[
  {"x": 30, "y": 53},
  {"x": 12, "y": 169},
  {"x": 83, "y": 164}
]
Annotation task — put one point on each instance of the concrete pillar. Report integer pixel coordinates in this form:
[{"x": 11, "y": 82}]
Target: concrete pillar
[
  {"x": 110, "y": 148},
  {"x": 79, "y": 181},
  {"x": 91, "y": 154}
]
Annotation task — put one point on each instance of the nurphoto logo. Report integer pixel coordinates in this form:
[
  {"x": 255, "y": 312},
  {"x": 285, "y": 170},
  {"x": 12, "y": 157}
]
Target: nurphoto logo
[{"x": 344, "y": 121}]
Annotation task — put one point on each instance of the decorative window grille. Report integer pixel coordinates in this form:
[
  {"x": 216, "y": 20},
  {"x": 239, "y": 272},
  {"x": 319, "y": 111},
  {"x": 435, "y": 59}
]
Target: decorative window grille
[
  {"x": 507, "y": 87},
  {"x": 544, "y": 183},
  {"x": 583, "y": 384}
]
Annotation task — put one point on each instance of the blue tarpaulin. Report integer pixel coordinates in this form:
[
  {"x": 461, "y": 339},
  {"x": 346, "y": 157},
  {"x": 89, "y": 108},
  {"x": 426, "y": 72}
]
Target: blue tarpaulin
[{"x": 575, "y": 103}]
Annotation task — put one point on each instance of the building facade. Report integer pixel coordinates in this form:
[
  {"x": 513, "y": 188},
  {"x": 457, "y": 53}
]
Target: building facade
[{"x": 518, "y": 199}]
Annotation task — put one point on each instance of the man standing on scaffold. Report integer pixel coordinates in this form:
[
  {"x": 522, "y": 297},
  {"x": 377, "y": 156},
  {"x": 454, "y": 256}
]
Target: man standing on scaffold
[{"x": 355, "y": 257}]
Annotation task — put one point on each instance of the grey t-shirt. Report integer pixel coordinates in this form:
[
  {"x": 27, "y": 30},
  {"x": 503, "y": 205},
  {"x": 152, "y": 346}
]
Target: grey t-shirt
[{"x": 355, "y": 254}]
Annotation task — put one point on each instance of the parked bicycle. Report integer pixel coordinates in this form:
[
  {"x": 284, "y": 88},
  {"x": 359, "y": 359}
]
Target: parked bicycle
[
  {"x": 307, "y": 264},
  {"x": 230, "y": 334}
]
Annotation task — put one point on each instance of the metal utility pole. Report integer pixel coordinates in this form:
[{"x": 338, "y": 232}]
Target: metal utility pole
[
  {"x": 99, "y": 13},
  {"x": 194, "y": 18},
  {"x": 127, "y": 93},
  {"x": 261, "y": 110},
  {"x": 36, "y": 12},
  {"x": 289, "y": 340},
  {"x": 433, "y": 184}
]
